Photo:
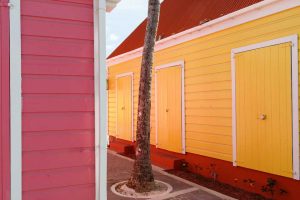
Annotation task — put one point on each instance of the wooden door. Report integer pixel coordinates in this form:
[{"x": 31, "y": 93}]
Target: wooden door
[
  {"x": 124, "y": 108},
  {"x": 264, "y": 109},
  {"x": 169, "y": 113}
]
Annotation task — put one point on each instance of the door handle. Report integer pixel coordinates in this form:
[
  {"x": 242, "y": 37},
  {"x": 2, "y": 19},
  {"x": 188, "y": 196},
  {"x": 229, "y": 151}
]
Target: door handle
[
  {"x": 123, "y": 108},
  {"x": 262, "y": 117},
  {"x": 167, "y": 110}
]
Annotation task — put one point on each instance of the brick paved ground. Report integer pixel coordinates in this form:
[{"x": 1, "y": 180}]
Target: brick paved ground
[
  {"x": 195, "y": 196},
  {"x": 119, "y": 169}
]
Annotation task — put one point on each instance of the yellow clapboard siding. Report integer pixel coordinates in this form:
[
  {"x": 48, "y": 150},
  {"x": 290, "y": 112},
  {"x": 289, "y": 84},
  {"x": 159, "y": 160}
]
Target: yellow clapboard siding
[
  {"x": 225, "y": 38},
  {"x": 208, "y": 95},
  {"x": 209, "y": 129},
  {"x": 208, "y": 112},
  {"x": 205, "y": 70},
  {"x": 217, "y": 103},
  {"x": 212, "y": 86},
  {"x": 208, "y": 78},
  {"x": 215, "y": 147},
  {"x": 204, "y": 58},
  {"x": 210, "y": 138},
  {"x": 209, "y": 153},
  {"x": 221, "y": 121}
]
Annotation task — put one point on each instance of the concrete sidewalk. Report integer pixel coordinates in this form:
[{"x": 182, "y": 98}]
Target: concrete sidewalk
[{"x": 119, "y": 169}]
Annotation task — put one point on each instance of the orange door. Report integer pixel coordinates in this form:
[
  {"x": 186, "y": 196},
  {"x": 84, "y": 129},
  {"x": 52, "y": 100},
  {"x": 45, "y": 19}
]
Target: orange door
[
  {"x": 124, "y": 108},
  {"x": 169, "y": 119},
  {"x": 264, "y": 109}
]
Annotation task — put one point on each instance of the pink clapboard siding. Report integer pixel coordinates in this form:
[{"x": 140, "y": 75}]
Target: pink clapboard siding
[
  {"x": 4, "y": 102},
  {"x": 58, "y": 99}
]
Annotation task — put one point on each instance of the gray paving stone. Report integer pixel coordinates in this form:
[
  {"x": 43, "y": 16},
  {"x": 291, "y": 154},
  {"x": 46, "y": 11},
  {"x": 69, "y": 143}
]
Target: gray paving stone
[
  {"x": 119, "y": 169},
  {"x": 196, "y": 195}
]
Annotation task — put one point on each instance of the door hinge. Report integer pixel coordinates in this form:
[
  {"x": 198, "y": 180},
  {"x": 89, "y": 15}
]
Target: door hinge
[
  {"x": 107, "y": 84},
  {"x": 295, "y": 173}
]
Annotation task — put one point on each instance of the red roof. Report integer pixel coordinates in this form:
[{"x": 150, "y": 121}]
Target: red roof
[{"x": 179, "y": 15}]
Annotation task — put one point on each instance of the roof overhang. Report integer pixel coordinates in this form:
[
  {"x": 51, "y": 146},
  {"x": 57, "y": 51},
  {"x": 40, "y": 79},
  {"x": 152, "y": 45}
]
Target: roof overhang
[
  {"x": 256, "y": 11},
  {"x": 111, "y": 4}
]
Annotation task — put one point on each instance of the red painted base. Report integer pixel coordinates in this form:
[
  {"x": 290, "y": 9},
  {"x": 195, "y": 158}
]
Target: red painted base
[
  {"x": 161, "y": 158},
  {"x": 121, "y": 146},
  {"x": 238, "y": 176},
  {"x": 226, "y": 173}
]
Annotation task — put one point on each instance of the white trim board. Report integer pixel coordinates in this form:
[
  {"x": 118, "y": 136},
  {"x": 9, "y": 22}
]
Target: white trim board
[
  {"x": 251, "y": 13},
  {"x": 295, "y": 111},
  {"x": 132, "y": 102},
  {"x": 173, "y": 64},
  {"x": 15, "y": 101},
  {"x": 100, "y": 101}
]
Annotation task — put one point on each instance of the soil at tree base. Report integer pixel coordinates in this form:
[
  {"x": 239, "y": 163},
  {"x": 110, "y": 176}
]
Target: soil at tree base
[
  {"x": 217, "y": 186},
  {"x": 153, "y": 189},
  {"x": 148, "y": 187}
]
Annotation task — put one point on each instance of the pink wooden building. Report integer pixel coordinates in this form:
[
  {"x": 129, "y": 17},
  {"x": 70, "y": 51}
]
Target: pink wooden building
[{"x": 53, "y": 92}]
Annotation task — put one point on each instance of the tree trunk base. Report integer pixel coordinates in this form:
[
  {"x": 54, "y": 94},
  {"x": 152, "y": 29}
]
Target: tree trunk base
[
  {"x": 141, "y": 187},
  {"x": 160, "y": 189}
]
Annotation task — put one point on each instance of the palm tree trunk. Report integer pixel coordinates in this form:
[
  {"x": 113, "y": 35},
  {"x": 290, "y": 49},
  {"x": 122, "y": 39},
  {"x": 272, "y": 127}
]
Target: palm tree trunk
[{"x": 142, "y": 178}]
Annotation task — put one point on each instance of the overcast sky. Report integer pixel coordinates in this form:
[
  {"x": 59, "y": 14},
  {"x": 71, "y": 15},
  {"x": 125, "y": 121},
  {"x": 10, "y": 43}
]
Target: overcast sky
[{"x": 123, "y": 20}]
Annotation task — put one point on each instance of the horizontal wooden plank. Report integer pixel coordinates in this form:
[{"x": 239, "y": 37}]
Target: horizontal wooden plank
[
  {"x": 209, "y": 95},
  {"x": 208, "y": 112},
  {"x": 43, "y": 46},
  {"x": 206, "y": 60},
  {"x": 207, "y": 146},
  {"x": 58, "y": 9},
  {"x": 192, "y": 69},
  {"x": 57, "y": 121},
  {"x": 57, "y": 103},
  {"x": 213, "y": 103},
  {"x": 50, "y": 140},
  {"x": 47, "y": 179},
  {"x": 212, "y": 154},
  {"x": 219, "y": 121},
  {"x": 43, "y": 84},
  {"x": 132, "y": 66},
  {"x": 213, "y": 129},
  {"x": 212, "y": 86},
  {"x": 209, "y": 138},
  {"x": 54, "y": 159},
  {"x": 77, "y": 192},
  {"x": 36, "y": 26},
  {"x": 47, "y": 65},
  {"x": 208, "y": 78}
]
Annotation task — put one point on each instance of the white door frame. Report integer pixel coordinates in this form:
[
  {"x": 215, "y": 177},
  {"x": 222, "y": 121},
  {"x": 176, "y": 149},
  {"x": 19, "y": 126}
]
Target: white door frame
[
  {"x": 182, "y": 66},
  {"x": 131, "y": 74},
  {"x": 15, "y": 101},
  {"x": 294, "y": 41},
  {"x": 100, "y": 97}
]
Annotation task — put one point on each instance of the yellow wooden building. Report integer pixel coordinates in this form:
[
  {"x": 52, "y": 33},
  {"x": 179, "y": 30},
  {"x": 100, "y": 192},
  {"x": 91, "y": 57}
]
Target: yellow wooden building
[{"x": 224, "y": 87}]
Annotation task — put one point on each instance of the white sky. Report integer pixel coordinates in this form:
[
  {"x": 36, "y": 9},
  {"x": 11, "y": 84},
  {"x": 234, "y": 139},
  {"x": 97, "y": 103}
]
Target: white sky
[{"x": 122, "y": 21}]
